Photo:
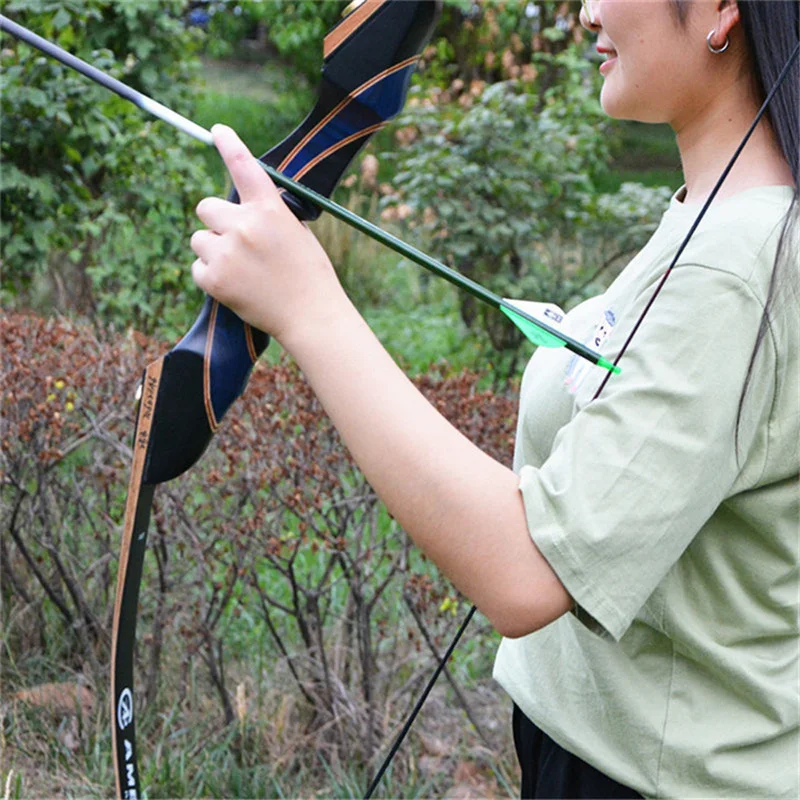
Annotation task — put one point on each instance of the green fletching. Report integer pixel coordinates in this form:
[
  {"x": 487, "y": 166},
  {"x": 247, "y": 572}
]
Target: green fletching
[
  {"x": 532, "y": 331},
  {"x": 609, "y": 366}
]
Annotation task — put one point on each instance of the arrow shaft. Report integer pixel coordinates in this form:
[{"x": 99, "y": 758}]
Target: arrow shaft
[
  {"x": 186, "y": 125},
  {"x": 424, "y": 260}
]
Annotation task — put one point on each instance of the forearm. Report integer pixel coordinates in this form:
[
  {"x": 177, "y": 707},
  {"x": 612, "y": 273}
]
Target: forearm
[{"x": 461, "y": 507}]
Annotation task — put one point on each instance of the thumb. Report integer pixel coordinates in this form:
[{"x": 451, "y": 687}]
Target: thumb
[{"x": 249, "y": 178}]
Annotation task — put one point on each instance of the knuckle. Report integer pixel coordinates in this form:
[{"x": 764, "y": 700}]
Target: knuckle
[
  {"x": 248, "y": 231},
  {"x": 225, "y": 258},
  {"x": 213, "y": 282}
]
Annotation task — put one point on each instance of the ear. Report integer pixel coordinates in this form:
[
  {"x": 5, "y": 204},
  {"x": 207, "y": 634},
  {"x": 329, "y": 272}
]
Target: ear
[{"x": 728, "y": 19}]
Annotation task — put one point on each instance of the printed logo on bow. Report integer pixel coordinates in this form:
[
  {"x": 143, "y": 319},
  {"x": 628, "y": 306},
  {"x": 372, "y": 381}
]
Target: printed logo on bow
[{"x": 125, "y": 709}]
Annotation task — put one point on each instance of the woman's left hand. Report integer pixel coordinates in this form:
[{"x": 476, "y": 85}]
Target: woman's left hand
[{"x": 256, "y": 257}]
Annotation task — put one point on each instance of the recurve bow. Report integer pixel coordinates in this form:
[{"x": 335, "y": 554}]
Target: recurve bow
[{"x": 369, "y": 57}]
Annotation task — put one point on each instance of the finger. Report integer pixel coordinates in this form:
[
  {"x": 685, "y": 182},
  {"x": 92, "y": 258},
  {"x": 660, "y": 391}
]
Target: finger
[
  {"x": 200, "y": 272},
  {"x": 248, "y": 177},
  {"x": 217, "y": 214},
  {"x": 205, "y": 244}
]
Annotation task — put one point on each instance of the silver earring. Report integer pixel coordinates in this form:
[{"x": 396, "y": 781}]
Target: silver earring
[{"x": 717, "y": 50}]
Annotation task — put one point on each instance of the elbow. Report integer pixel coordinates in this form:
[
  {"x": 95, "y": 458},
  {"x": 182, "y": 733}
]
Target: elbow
[
  {"x": 529, "y": 609},
  {"x": 512, "y": 627},
  {"x": 515, "y": 620}
]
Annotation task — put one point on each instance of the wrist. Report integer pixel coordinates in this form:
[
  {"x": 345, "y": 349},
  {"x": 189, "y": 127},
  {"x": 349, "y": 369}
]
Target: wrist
[{"x": 318, "y": 324}]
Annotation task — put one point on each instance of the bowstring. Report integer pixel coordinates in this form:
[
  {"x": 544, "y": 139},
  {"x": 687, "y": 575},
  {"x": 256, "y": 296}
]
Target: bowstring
[{"x": 418, "y": 706}]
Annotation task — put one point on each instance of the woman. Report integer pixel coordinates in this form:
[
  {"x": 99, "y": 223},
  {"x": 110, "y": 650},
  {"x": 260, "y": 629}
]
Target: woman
[{"x": 641, "y": 559}]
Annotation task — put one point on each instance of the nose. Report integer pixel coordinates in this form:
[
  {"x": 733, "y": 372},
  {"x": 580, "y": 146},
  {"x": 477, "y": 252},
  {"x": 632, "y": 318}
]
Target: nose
[{"x": 587, "y": 17}]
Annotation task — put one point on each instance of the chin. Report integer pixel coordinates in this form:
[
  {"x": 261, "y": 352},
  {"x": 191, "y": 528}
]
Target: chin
[
  {"x": 613, "y": 104},
  {"x": 617, "y": 106}
]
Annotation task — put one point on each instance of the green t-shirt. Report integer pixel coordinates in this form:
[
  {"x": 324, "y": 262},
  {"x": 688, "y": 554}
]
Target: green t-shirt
[{"x": 678, "y": 673}]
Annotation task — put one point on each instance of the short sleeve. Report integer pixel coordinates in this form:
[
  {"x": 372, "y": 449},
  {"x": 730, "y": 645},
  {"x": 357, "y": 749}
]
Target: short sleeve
[{"x": 635, "y": 474}]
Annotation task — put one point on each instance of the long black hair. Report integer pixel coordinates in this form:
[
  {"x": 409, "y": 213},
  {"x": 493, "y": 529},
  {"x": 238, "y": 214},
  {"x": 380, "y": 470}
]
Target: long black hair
[{"x": 772, "y": 31}]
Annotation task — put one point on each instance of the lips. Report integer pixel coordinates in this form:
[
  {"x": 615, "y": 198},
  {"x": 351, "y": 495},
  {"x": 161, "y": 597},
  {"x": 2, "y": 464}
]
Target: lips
[{"x": 611, "y": 57}]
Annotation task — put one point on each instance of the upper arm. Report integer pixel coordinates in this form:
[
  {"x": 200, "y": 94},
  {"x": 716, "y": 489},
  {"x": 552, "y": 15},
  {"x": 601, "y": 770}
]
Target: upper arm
[{"x": 635, "y": 474}]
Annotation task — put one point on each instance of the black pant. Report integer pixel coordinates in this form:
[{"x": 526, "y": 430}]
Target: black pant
[{"x": 549, "y": 771}]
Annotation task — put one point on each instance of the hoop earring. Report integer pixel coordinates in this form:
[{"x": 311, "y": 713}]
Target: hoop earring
[{"x": 717, "y": 50}]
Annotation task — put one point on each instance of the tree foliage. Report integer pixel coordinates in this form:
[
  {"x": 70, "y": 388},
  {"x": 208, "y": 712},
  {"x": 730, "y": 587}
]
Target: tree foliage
[
  {"x": 497, "y": 40},
  {"x": 294, "y": 29},
  {"x": 97, "y": 198}
]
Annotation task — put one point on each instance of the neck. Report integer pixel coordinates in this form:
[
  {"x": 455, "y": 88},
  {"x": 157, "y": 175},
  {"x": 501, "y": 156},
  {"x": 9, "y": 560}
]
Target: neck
[{"x": 708, "y": 138}]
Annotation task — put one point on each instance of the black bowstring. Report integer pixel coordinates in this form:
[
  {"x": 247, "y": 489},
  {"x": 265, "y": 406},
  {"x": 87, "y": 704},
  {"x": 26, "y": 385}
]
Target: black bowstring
[{"x": 418, "y": 707}]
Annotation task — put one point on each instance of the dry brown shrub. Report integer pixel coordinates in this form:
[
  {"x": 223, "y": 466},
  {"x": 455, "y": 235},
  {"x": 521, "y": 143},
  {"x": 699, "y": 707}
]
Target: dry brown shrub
[{"x": 275, "y": 528}]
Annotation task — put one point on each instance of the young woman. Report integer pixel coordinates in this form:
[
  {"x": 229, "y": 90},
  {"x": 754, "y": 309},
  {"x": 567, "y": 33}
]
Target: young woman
[{"x": 641, "y": 558}]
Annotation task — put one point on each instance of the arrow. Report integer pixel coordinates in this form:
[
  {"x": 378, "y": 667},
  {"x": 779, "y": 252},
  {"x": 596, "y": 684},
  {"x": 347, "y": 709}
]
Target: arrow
[{"x": 535, "y": 330}]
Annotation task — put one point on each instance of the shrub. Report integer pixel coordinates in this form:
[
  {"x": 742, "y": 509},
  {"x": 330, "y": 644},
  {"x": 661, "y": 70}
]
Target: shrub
[
  {"x": 97, "y": 198},
  {"x": 272, "y": 551}
]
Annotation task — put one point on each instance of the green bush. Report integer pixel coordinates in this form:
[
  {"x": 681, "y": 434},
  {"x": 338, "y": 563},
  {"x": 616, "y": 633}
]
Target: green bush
[{"x": 97, "y": 199}]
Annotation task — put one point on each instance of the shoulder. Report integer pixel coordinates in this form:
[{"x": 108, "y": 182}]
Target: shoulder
[
  {"x": 738, "y": 237},
  {"x": 730, "y": 256}
]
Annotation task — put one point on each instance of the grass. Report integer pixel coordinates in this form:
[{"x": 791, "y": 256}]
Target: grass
[
  {"x": 185, "y": 752},
  {"x": 645, "y": 146},
  {"x": 612, "y": 180}
]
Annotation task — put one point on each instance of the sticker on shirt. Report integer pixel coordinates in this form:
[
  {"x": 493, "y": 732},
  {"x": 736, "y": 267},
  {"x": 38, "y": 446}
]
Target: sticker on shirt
[{"x": 578, "y": 368}]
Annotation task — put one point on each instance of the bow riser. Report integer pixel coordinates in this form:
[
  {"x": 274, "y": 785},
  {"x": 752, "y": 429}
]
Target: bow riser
[{"x": 364, "y": 82}]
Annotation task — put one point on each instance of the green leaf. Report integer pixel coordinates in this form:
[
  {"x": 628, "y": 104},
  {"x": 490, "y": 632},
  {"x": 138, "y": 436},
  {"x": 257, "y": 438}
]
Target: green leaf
[{"x": 61, "y": 19}]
